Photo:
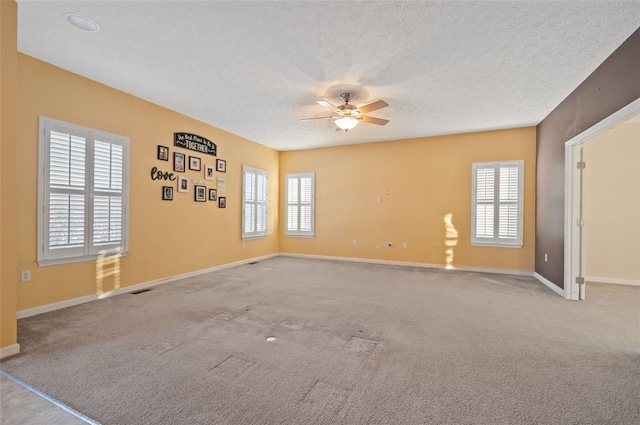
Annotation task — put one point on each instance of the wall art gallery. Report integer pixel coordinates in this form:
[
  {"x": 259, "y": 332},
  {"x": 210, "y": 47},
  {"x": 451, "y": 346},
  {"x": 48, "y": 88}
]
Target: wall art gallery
[{"x": 189, "y": 168}]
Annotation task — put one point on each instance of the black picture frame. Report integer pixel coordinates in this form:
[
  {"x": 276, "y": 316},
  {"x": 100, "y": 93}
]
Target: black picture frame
[
  {"x": 222, "y": 202},
  {"x": 163, "y": 153},
  {"x": 167, "y": 193},
  {"x": 208, "y": 172},
  {"x": 221, "y": 165},
  {"x": 178, "y": 162},
  {"x": 183, "y": 184},
  {"x": 194, "y": 163},
  {"x": 213, "y": 194},
  {"x": 200, "y": 193}
]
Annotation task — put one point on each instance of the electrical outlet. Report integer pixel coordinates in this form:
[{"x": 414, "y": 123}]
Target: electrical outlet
[
  {"x": 25, "y": 275},
  {"x": 545, "y": 258},
  {"x": 355, "y": 242},
  {"x": 404, "y": 245}
]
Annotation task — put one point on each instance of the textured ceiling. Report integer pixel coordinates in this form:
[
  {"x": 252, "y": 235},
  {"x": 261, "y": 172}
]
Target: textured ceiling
[{"x": 256, "y": 68}]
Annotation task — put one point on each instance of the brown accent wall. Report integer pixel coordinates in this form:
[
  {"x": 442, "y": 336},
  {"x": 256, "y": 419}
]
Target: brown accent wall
[{"x": 612, "y": 86}]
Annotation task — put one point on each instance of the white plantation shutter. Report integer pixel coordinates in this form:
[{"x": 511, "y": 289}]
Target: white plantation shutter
[
  {"x": 66, "y": 206},
  {"x": 300, "y": 204},
  {"x": 261, "y": 203},
  {"x": 108, "y": 175},
  {"x": 254, "y": 202},
  {"x": 508, "y": 217},
  {"x": 249, "y": 200},
  {"x": 497, "y": 203},
  {"x": 484, "y": 199},
  {"x": 82, "y": 192},
  {"x": 66, "y": 220}
]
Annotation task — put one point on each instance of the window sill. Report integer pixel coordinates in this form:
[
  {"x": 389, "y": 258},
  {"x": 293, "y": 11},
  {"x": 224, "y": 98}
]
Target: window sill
[
  {"x": 60, "y": 261},
  {"x": 496, "y": 245},
  {"x": 250, "y": 238},
  {"x": 293, "y": 235}
]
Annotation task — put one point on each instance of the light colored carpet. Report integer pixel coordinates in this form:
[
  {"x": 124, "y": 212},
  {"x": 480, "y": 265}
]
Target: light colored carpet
[{"x": 355, "y": 344}]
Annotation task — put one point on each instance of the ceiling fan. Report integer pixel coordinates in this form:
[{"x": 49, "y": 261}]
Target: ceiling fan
[{"x": 348, "y": 116}]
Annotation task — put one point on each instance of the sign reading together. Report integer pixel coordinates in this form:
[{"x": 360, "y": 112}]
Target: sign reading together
[{"x": 193, "y": 142}]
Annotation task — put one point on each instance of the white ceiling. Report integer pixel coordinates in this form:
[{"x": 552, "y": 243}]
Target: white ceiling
[{"x": 255, "y": 68}]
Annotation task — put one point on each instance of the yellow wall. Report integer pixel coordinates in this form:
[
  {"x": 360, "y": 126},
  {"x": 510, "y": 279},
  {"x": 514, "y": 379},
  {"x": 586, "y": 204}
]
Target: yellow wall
[
  {"x": 8, "y": 147},
  {"x": 612, "y": 205},
  {"x": 166, "y": 238},
  {"x": 419, "y": 181}
]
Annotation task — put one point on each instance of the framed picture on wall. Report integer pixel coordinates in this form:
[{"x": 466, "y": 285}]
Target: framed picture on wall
[
  {"x": 222, "y": 202},
  {"x": 183, "y": 184},
  {"x": 194, "y": 163},
  {"x": 163, "y": 153},
  {"x": 221, "y": 165},
  {"x": 213, "y": 195},
  {"x": 167, "y": 193},
  {"x": 208, "y": 172},
  {"x": 178, "y": 162},
  {"x": 200, "y": 193},
  {"x": 222, "y": 184}
]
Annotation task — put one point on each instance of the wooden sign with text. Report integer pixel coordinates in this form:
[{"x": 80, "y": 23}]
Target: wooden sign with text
[{"x": 193, "y": 142}]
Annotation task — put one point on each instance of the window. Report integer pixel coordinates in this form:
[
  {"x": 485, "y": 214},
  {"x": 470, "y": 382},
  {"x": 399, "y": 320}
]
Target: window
[
  {"x": 497, "y": 203},
  {"x": 82, "y": 193},
  {"x": 254, "y": 202},
  {"x": 300, "y": 204}
]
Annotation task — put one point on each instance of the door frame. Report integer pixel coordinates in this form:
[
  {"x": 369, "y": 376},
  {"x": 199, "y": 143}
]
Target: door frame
[{"x": 573, "y": 248}]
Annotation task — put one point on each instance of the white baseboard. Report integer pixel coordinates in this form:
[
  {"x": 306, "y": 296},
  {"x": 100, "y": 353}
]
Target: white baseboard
[
  {"x": 555, "y": 288},
  {"x": 56, "y": 306},
  {"x": 613, "y": 280},
  {"x": 127, "y": 289},
  {"x": 9, "y": 350},
  {"x": 410, "y": 264}
]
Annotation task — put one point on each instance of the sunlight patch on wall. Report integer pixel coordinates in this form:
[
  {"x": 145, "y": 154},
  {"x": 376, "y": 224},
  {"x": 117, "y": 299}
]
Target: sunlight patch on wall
[
  {"x": 450, "y": 239},
  {"x": 107, "y": 272}
]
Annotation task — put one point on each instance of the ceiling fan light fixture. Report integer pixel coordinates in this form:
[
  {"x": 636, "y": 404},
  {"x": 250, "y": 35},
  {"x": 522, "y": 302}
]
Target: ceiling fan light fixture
[
  {"x": 347, "y": 116},
  {"x": 346, "y": 123}
]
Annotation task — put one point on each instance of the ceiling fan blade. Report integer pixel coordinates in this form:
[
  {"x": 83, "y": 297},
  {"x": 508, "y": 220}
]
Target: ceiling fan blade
[
  {"x": 316, "y": 118},
  {"x": 372, "y": 120},
  {"x": 326, "y": 104},
  {"x": 379, "y": 104}
]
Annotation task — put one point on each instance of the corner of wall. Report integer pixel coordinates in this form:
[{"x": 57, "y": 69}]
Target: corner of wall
[{"x": 8, "y": 186}]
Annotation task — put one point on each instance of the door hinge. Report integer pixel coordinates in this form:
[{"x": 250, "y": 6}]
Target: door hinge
[
  {"x": 580, "y": 222},
  {"x": 580, "y": 280},
  {"x": 581, "y": 165}
]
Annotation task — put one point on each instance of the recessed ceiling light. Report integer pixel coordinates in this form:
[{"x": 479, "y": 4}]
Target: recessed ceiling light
[
  {"x": 82, "y": 22},
  {"x": 271, "y": 338}
]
